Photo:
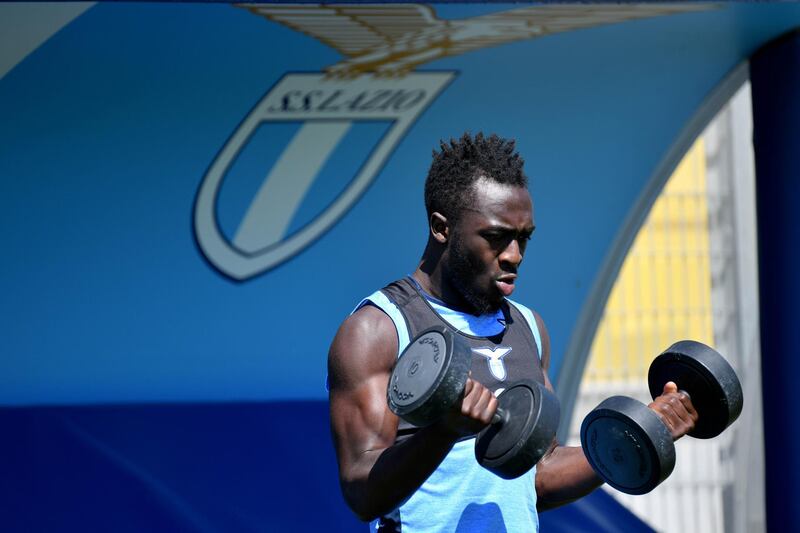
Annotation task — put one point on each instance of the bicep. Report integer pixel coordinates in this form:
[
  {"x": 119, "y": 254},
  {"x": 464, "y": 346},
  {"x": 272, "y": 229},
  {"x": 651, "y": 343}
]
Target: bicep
[
  {"x": 361, "y": 422},
  {"x": 359, "y": 363}
]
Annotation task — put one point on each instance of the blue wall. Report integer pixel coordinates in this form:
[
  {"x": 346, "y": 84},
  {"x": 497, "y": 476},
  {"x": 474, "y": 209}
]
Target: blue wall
[{"x": 111, "y": 127}]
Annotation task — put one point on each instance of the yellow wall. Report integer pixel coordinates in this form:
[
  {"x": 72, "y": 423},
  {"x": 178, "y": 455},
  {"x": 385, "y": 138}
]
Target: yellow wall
[{"x": 663, "y": 292}]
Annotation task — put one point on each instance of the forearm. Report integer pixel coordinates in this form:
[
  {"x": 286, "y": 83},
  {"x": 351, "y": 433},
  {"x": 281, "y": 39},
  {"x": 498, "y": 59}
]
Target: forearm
[
  {"x": 562, "y": 476},
  {"x": 382, "y": 480}
]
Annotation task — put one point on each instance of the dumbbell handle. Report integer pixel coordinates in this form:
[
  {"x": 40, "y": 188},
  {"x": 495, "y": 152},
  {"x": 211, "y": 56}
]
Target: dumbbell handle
[{"x": 500, "y": 416}]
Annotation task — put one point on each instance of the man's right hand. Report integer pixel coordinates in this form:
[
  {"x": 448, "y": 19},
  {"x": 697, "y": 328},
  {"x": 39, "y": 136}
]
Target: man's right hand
[{"x": 473, "y": 413}]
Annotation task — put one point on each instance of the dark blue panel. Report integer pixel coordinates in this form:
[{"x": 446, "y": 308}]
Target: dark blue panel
[
  {"x": 227, "y": 467},
  {"x": 598, "y": 512},
  {"x": 775, "y": 73},
  {"x": 213, "y": 467}
]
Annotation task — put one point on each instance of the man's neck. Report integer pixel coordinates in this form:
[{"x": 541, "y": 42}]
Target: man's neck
[{"x": 433, "y": 284}]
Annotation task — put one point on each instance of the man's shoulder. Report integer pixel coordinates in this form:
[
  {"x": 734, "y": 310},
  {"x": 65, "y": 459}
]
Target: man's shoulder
[
  {"x": 378, "y": 311},
  {"x": 366, "y": 338},
  {"x": 369, "y": 316},
  {"x": 378, "y": 298}
]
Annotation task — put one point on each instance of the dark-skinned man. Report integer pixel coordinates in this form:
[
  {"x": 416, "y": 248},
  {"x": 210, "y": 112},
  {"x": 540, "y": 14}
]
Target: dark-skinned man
[{"x": 408, "y": 479}]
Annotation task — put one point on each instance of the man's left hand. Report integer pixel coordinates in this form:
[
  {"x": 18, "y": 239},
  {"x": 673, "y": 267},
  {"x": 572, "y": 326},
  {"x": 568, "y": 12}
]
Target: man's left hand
[{"x": 675, "y": 409}]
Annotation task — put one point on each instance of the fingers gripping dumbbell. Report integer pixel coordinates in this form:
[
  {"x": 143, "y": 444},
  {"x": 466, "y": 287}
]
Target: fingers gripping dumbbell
[
  {"x": 429, "y": 378},
  {"x": 629, "y": 446}
]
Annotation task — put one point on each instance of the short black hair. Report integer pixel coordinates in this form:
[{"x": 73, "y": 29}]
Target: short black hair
[{"x": 460, "y": 163}]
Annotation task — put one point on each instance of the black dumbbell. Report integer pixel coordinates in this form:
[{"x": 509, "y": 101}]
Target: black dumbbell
[
  {"x": 429, "y": 377},
  {"x": 629, "y": 446}
]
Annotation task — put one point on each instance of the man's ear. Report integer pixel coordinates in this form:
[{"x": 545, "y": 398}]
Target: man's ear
[{"x": 440, "y": 229}]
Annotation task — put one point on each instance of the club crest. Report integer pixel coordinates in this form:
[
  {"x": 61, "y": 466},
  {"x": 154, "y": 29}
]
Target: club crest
[
  {"x": 375, "y": 82},
  {"x": 325, "y": 109}
]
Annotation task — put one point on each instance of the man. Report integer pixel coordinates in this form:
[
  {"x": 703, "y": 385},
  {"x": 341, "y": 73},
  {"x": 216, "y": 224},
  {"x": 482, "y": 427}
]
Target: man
[{"x": 404, "y": 478}]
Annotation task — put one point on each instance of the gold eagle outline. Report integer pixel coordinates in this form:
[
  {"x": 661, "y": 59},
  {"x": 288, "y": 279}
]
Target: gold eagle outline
[{"x": 394, "y": 39}]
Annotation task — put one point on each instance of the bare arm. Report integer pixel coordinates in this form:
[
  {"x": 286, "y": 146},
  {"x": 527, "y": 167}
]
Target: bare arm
[
  {"x": 564, "y": 474},
  {"x": 377, "y": 475}
]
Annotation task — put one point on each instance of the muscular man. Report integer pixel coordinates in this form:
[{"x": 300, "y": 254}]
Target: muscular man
[{"x": 403, "y": 478}]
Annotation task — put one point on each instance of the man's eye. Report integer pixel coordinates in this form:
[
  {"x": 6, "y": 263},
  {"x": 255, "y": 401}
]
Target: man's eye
[{"x": 496, "y": 237}]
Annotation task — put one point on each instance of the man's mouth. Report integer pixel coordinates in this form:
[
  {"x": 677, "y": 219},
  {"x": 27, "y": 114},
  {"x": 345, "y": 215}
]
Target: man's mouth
[{"x": 506, "y": 284}]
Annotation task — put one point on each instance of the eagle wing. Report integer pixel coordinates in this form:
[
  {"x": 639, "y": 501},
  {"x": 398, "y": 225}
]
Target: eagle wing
[
  {"x": 538, "y": 21},
  {"x": 350, "y": 29}
]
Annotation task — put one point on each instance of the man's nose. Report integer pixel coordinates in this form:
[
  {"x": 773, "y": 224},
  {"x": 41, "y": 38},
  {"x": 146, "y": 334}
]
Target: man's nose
[{"x": 512, "y": 254}]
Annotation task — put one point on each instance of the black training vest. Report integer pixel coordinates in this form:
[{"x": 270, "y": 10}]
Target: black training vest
[{"x": 497, "y": 361}]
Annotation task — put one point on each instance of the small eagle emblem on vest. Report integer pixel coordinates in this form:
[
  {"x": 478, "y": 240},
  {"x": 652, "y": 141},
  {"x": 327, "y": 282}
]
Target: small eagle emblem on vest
[{"x": 494, "y": 356}]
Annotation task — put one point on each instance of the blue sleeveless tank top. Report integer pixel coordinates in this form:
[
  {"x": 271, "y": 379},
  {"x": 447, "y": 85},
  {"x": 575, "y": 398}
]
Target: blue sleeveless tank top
[{"x": 460, "y": 496}]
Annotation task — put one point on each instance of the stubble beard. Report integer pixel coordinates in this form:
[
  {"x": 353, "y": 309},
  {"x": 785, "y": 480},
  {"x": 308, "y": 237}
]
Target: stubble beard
[{"x": 463, "y": 269}]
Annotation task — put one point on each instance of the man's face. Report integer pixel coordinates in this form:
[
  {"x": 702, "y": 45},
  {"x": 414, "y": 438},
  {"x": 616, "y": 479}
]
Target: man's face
[{"x": 488, "y": 242}]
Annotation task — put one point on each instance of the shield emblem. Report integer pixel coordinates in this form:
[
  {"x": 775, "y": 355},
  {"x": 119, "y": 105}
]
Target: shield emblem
[{"x": 324, "y": 111}]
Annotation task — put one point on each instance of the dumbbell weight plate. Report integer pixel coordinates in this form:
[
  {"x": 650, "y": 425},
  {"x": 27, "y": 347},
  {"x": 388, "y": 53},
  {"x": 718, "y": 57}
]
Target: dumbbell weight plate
[
  {"x": 710, "y": 381},
  {"x": 514, "y": 446},
  {"x": 628, "y": 445},
  {"x": 429, "y": 376}
]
